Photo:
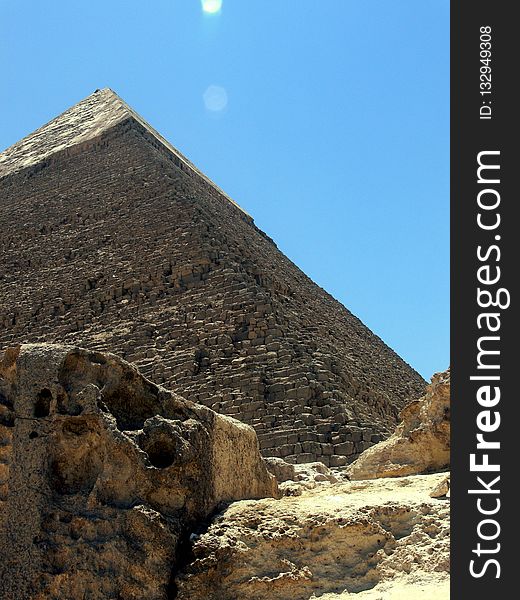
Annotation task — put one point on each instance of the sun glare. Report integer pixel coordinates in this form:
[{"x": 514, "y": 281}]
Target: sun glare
[
  {"x": 215, "y": 98},
  {"x": 211, "y": 6}
]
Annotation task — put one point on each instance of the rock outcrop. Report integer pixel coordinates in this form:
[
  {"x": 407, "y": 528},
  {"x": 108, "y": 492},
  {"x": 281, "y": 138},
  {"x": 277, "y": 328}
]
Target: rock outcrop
[
  {"x": 102, "y": 472},
  {"x": 421, "y": 442},
  {"x": 382, "y": 538},
  {"x": 369, "y": 540}
]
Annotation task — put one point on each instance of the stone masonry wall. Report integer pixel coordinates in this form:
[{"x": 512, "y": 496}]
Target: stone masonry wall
[{"x": 115, "y": 245}]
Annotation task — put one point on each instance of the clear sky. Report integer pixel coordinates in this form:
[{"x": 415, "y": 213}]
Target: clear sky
[{"x": 327, "y": 120}]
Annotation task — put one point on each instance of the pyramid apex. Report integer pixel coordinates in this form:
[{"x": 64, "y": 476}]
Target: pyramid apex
[{"x": 85, "y": 120}]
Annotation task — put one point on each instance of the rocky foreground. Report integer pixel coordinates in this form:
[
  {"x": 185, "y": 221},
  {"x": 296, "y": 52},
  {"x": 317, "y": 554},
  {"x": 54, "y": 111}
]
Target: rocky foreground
[
  {"x": 377, "y": 537},
  {"x": 114, "y": 488},
  {"x": 383, "y": 539}
]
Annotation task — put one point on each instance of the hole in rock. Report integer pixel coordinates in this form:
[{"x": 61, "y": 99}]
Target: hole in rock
[
  {"x": 3, "y": 399},
  {"x": 7, "y": 419},
  {"x": 33, "y": 435},
  {"x": 132, "y": 404},
  {"x": 124, "y": 392},
  {"x": 161, "y": 453},
  {"x": 42, "y": 406},
  {"x": 97, "y": 358}
]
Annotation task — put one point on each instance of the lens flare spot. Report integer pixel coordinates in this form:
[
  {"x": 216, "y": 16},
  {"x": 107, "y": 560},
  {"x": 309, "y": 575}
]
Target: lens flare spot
[
  {"x": 211, "y": 6},
  {"x": 215, "y": 98}
]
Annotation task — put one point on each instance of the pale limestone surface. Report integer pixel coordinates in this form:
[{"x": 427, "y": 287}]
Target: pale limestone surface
[
  {"x": 384, "y": 539},
  {"x": 84, "y": 121}
]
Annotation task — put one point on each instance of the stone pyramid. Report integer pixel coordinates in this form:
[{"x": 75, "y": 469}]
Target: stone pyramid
[{"x": 112, "y": 240}]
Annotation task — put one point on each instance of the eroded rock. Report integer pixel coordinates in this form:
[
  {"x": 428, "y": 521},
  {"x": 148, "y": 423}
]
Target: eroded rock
[
  {"x": 102, "y": 472},
  {"x": 421, "y": 442},
  {"x": 372, "y": 539}
]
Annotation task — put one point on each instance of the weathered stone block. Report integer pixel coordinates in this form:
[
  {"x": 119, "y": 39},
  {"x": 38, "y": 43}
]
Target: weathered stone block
[
  {"x": 106, "y": 472},
  {"x": 344, "y": 449}
]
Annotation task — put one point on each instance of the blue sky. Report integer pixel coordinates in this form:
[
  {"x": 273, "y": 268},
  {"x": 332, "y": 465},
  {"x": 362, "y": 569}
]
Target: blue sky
[{"x": 327, "y": 120}]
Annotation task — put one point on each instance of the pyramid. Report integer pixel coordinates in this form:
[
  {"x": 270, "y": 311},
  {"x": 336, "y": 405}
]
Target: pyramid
[{"x": 112, "y": 240}]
